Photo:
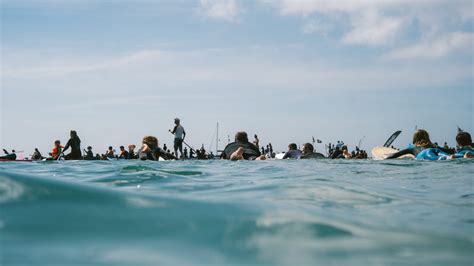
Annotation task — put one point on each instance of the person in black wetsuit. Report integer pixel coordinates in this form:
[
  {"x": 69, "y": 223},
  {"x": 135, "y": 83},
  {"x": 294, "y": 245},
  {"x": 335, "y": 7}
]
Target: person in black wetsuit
[
  {"x": 36, "y": 155},
  {"x": 151, "y": 151},
  {"x": 309, "y": 153},
  {"x": 75, "y": 143},
  {"x": 241, "y": 149},
  {"x": 89, "y": 154},
  {"x": 9, "y": 156},
  {"x": 421, "y": 141}
]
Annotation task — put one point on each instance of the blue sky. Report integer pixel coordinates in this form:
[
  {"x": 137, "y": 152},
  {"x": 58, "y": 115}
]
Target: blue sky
[{"x": 286, "y": 70}]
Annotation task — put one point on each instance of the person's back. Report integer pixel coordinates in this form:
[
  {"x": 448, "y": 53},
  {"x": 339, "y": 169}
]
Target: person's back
[
  {"x": 421, "y": 141},
  {"x": 309, "y": 153},
  {"x": 464, "y": 146},
  {"x": 293, "y": 152},
  {"x": 250, "y": 151}
]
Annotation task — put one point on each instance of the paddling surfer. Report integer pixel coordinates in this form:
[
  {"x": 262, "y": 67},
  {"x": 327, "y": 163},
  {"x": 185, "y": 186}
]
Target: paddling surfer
[{"x": 179, "y": 135}]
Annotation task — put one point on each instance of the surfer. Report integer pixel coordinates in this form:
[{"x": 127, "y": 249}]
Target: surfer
[
  {"x": 309, "y": 153},
  {"x": 131, "y": 152},
  {"x": 241, "y": 149},
  {"x": 421, "y": 141},
  {"x": 464, "y": 147},
  {"x": 123, "y": 153},
  {"x": 75, "y": 143},
  {"x": 57, "y": 150},
  {"x": 179, "y": 135},
  {"x": 9, "y": 156},
  {"x": 293, "y": 152},
  {"x": 89, "y": 154},
  {"x": 151, "y": 151},
  {"x": 110, "y": 153},
  {"x": 36, "y": 155}
]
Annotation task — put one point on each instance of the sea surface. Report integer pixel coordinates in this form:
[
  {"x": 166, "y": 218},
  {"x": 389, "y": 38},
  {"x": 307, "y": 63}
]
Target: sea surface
[{"x": 321, "y": 212}]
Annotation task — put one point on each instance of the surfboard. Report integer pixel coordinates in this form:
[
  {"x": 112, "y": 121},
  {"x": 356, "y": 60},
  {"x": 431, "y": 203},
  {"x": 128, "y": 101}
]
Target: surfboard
[
  {"x": 380, "y": 153},
  {"x": 279, "y": 156}
]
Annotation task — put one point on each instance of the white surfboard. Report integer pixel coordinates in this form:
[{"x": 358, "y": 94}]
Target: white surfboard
[{"x": 380, "y": 153}]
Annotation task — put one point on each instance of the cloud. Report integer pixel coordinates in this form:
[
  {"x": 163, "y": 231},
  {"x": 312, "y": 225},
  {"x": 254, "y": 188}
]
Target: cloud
[
  {"x": 227, "y": 10},
  {"x": 387, "y": 24},
  {"x": 461, "y": 42},
  {"x": 373, "y": 29}
]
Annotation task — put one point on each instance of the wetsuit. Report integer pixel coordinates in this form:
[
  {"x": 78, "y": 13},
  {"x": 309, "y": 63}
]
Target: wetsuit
[
  {"x": 89, "y": 155},
  {"x": 251, "y": 152},
  {"x": 292, "y": 154},
  {"x": 414, "y": 151},
  {"x": 9, "y": 156},
  {"x": 314, "y": 155},
  {"x": 463, "y": 150},
  {"x": 155, "y": 155},
  {"x": 75, "y": 144}
]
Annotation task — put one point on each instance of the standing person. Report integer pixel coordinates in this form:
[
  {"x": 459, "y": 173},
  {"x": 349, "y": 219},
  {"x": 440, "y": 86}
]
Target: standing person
[
  {"x": 179, "y": 135},
  {"x": 75, "y": 143}
]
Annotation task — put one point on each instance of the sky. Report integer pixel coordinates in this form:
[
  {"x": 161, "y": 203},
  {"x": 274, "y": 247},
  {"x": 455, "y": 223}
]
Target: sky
[{"x": 287, "y": 70}]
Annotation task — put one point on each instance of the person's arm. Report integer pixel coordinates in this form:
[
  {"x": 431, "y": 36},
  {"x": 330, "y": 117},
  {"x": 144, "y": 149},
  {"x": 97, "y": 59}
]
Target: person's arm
[
  {"x": 67, "y": 145},
  {"x": 287, "y": 154},
  {"x": 400, "y": 153},
  {"x": 174, "y": 130},
  {"x": 184, "y": 134}
]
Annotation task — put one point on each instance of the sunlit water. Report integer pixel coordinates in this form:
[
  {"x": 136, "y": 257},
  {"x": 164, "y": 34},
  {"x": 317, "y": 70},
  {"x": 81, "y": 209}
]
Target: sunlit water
[{"x": 330, "y": 212}]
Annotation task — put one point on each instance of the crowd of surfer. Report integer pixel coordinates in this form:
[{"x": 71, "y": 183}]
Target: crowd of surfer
[{"x": 243, "y": 149}]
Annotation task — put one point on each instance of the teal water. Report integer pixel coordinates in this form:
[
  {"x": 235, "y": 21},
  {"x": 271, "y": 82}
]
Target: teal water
[{"x": 331, "y": 212}]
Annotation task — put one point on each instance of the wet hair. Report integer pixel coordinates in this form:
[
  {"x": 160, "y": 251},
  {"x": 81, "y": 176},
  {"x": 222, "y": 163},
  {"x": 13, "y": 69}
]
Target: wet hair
[
  {"x": 344, "y": 148},
  {"x": 57, "y": 142},
  {"x": 308, "y": 147},
  {"x": 89, "y": 147},
  {"x": 292, "y": 146},
  {"x": 422, "y": 138},
  {"x": 110, "y": 147},
  {"x": 151, "y": 141},
  {"x": 464, "y": 139},
  {"x": 241, "y": 137},
  {"x": 122, "y": 147},
  {"x": 73, "y": 133}
]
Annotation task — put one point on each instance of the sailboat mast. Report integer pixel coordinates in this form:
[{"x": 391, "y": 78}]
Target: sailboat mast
[{"x": 217, "y": 139}]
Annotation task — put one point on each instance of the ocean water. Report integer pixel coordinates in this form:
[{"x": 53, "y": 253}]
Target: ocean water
[{"x": 326, "y": 212}]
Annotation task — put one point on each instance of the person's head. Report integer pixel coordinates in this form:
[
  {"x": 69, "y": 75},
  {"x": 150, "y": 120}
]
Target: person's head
[
  {"x": 308, "y": 148},
  {"x": 57, "y": 142},
  {"x": 122, "y": 148},
  {"x": 73, "y": 134},
  {"x": 344, "y": 148},
  {"x": 241, "y": 137},
  {"x": 36, "y": 149},
  {"x": 177, "y": 121},
  {"x": 131, "y": 147},
  {"x": 292, "y": 146},
  {"x": 463, "y": 139},
  {"x": 110, "y": 148},
  {"x": 422, "y": 138},
  {"x": 151, "y": 142}
]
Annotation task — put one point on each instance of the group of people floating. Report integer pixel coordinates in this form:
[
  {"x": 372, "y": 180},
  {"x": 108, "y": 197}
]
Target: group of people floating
[{"x": 243, "y": 149}]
